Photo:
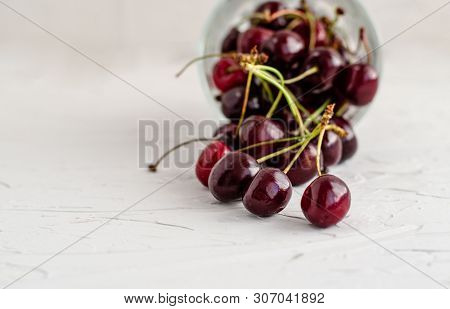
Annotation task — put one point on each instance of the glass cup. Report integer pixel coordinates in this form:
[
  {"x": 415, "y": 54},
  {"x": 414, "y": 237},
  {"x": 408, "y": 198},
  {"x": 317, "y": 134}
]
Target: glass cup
[{"x": 230, "y": 13}]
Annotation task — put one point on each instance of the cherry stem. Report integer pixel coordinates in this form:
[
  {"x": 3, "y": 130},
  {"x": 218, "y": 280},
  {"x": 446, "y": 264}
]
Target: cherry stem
[
  {"x": 154, "y": 167},
  {"x": 365, "y": 41},
  {"x": 267, "y": 90},
  {"x": 232, "y": 55},
  {"x": 280, "y": 152},
  {"x": 275, "y": 104},
  {"x": 323, "y": 127},
  {"x": 274, "y": 141},
  {"x": 302, "y": 76},
  {"x": 312, "y": 26},
  {"x": 244, "y": 105},
  {"x": 313, "y": 117},
  {"x": 294, "y": 23},
  {"x": 287, "y": 12},
  {"x": 261, "y": 72},
  {"x": 341, "y": 111},
  {"x": 312, "y": 29},
  {"x": 319, "y": 151},
  {"x": 298, "y": 154}
]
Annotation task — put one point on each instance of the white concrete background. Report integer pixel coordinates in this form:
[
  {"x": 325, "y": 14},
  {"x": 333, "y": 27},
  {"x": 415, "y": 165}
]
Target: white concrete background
[{"x": 68, "y": 161}]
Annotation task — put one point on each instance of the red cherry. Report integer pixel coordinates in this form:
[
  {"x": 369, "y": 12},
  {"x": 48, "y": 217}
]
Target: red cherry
[
  {"x": 255, "y": 36},
  {"x": 284, "y": 47},
  {"x": 349, "y": 142},
  {"x": 304, "y": 31},
  {"x": 358, "y": 83},
  {"x": 304, "y": 169},
  {"x": 227, "y": 74},
  {"x": 232, "y": 175},
  {"x": 269, "y": 193},
  {"x": 258, "y": 129},
  {"x": 208, "y": 158},
  {"x": 272, "y": 7},
  {"x": 233, "y": 99},
  {"x": 227, "y": 134},
  {"x": 326, "y": 201},
  {"x": 329, "y": 62},
  {"x": 229, "y": 44},
  {"x": 331, "y": 149}
]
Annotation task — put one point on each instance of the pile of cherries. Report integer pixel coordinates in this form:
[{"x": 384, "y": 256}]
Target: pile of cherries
[{"x": 286, "y": 83}]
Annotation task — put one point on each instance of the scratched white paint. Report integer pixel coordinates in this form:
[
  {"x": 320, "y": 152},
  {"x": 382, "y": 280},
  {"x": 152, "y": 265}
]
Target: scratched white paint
[{"x": 68, "y": 161}]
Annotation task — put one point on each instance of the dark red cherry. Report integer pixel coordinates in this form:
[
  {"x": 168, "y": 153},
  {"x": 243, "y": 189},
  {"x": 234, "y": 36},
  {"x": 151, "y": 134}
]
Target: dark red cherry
[
  {"x": 326, "y": 201},
  {"x": 229, "y": 44},
  {"x": 269, "y": 193},
  {"x": 233, "y": 99},
  {"x": 227, "y": 134},
  {"x": 228, "y": 74},
  {"x": 271, "y": 7},
  {"x": 349, "y": 142},
  {"x": 329, "y": 62},
  {"x": 258, "y": 129},
  {"x": 231, "y": 176},
  {"x": 255, "y": 36},
  {"x": 304, "y": 169},
  {"x": 331, "y": 149},
  {"x": 304, "y": 30},
  {"x": 208, "y": 158},
  {"x": 284, "y": 47},
  {"x": 358, "y": 83}
]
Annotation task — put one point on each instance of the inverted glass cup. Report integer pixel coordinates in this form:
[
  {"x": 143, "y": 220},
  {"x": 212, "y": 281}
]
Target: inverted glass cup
[{"x": 230, "y": 13}]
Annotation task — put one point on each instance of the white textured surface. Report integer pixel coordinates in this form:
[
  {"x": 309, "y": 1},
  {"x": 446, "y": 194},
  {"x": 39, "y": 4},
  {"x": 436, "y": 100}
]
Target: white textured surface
[{"x": 68, "y": 160}]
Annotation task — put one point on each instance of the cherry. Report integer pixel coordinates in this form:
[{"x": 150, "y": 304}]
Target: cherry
[
  {"x": 231, "y": 176},
  {"x": 228, "y": 74},
  {"x": 269, "y": 193},
  {"x": 284, "y": 47},
  {"x": 332, "y": 149},
  {"x": 304, "y": 30},
  {"x": 229, "y": 44},
  {"x": 233, "y": 99},
  {"x": 258, "y": 129},
  {"x": 304, "y": 169},
  {"x": 329, "y": 62},
  {"x": 349, "y": 142},
  {"x": 271, "y": 7},
  {"x": 255, "y": 36},
  {"x": 326, "y": 201},
  {"x": 208, "y": 158},
  {"x": 227, "y": 134},
  {"x": 359, "y": 83}
]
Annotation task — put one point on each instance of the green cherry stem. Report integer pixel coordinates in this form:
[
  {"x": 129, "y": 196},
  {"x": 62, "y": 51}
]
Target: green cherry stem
[
  {"x": 298, "y": 154},
  {"x": 232, "y": 54},
  {"x": 275, "y": 104},
  {"x": 267, "y": 90},
  {"x": 280, "y": 152},
  {"x": 312, "y": 28},
  {"x": 258, "y": 70},
  {"x": 275, "y": 141},
  {"x": 319, "y": 150},
  {"x": 154, "y": 167},
  {"x": 328, "y": 114},
  {"x": 244, "y": 105},
  {"x": 287, "y": 12},
  {"x": 313, "y": 117},
  {"x": 341, "y": 111},
  {"x": 302, "y": 76}
]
